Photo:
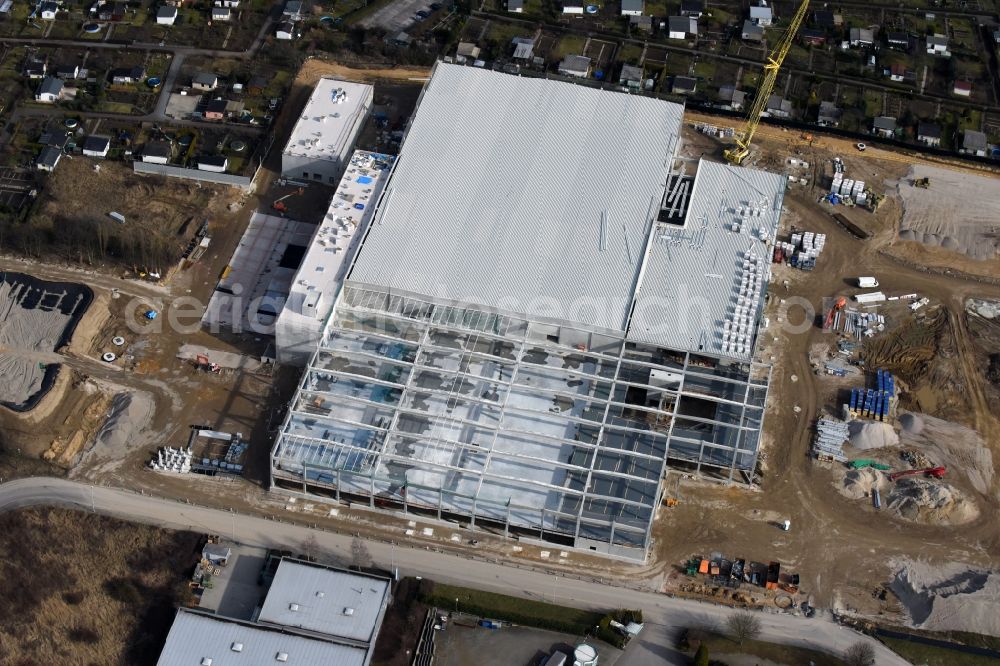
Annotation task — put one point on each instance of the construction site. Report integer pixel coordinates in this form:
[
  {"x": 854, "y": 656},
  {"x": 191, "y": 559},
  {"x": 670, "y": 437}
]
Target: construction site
[{"x": 871, "y": 477}]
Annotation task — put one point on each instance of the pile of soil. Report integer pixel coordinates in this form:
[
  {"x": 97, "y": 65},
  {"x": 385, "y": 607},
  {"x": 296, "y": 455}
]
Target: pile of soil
[
  {"x": 949, "y": 597},
  {"x": 930, "y": 501},
  {"x": 872, "y": 435},
  {"x": 859, "y": 483}
]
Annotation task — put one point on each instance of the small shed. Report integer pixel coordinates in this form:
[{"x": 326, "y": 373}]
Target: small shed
[
  {"x": 884, "y": 126},
  {"x": 752, "y": 32},
  {"x": 48, "y": 159},
  {"x": 285, "y": 30},
  {"x": 221, "y": 13},
  {"x": 762, "y": 16},
  {"x": 50, "y": 90},
  {"x": 215, "y": 163},
  {"x": 156, "y": 152},
  {"x": 516, "y": 6},
  {"x": 575, "y": 65},
  {"x": 216, "y": 553},
  {"x": 96, "y": 146},
  {"x": 929, "y": 134},
  {"x": 166, "y": 15},
  {"x": 48, "y": 11},
  {"x": 205, "y": 81},
  {"x": 633, "y": 7},
  {"x": 683, "y": 85}
]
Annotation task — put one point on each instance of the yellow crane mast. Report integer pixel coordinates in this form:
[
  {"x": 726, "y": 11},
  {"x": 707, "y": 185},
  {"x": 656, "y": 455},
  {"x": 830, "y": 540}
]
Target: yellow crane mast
[{"x": 739, "y": 152}]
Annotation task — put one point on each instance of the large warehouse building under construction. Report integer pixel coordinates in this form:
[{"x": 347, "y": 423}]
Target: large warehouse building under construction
[{"x": 548, "y": 309}]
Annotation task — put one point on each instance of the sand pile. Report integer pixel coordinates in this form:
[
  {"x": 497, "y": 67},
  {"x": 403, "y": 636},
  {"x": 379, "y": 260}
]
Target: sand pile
[
  {"x": 929, "y": 501},
  {"x": 129, "y": 415},
  {"x": 957, "y": 212},
  {"x": 949, "y": 597},
  {"x": 872, "y": 435},
  {"x": 960, "y": 448},
  {"x": 859, "y": 483}
]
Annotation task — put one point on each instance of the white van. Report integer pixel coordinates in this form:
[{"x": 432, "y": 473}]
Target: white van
[{"x": 867, "y": 282}]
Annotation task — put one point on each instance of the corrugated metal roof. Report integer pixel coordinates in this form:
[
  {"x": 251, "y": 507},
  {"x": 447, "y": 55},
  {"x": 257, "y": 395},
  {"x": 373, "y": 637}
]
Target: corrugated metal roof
[
  {"x": 522, "y": 194},
  {"x": 330, "y": 601},
  {"x": 195, "y": 638},
  {"x": 693, "y": 274}
]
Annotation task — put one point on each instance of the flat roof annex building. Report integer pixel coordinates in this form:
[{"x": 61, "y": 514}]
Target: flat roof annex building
[
  {"x": 546, "y": 310},
  {"x": 325, "y": 133},
  {"x": 312, "y": 614}
]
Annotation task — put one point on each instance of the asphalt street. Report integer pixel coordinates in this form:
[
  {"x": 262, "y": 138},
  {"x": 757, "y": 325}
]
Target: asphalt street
[{"x": 664, "y": 616}]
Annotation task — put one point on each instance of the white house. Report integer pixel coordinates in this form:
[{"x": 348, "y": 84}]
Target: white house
[
  {"x": 166, "y": 15},
  {"x": 214, "y": 163},
  {"x": 50, "y": 90},
  {"x": 575, "y": 65},
  {"x": 285, "y": 30},
  {"x": 762, "y": 16},
  {"x": 48, "y": 159},
  {"x": 633, "y": 7},
  {"x": 937, "y": 45},
  {"x": 48, "y": 11},
  {"x": 96, "y": 146},
  {"x": 679, "y": 27},
  {"x": 221, "y": 13}
]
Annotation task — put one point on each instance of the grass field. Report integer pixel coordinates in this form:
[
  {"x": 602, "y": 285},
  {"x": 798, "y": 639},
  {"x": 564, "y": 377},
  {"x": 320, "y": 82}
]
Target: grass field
[
  {"x": 928, "y": 655},
  {"x": 502, "y": 607},
  {"x": 84, "y": 589}
]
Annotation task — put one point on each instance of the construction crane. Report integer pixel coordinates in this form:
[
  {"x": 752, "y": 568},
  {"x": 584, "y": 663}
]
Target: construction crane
[
  {"x": 739, "y": 152},
  {"x": 936, "y": 472},
  {"x": 279, "y": 204},
  {"x": 837, "y": 307}
]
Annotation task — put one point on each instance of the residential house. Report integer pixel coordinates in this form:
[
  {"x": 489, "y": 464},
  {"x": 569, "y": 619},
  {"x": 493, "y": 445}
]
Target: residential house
[
  {"x": 156, "y": 152},
  {"x": 693, "y": 8},
  {"x": 631, "y": 76},
  {"x": 96, "y": 146},
  {"x": 111, "y": 11},
  {"x": 633, "y": 7},
  {"x": 937, "y": 45},
  {"x": 467, "y": 50},
  {"x": 216, "y": 163},
  {"x": 204, "y": 81},
  {"x": 962, "y": 88},
  {"x": 125, "y": 75},
  {"x": 897, "y": 72},
  {"x": 221, "y": 13},
  {"x": 752, "y": 32},
  {"x": 731, "y": 98},
  {"x": 929, "y": 134},
  {"x": 67, "y": 72},
  {"x": 50, "y": 90},
  {"x": 680, "y": 27},
  {"x": 524, "y": 48},
  {"x": 862, "y": 37},
  {"x": 48, "y": 159},
  {"x": 286, "y": 30},
  {"x": 516, "y": 6},
  {"x": 643, "y": 23},
  {"x": 166, "y": 15},
  {"x": 575, "y": 65},
  {"x": 572, "y": 7},
  {"x": 48, "y": 11},
  {"x": 778, "y": 107},
  {"x": 827, "y": 20},
  {"x": 812, "y": 37},
  {"x": 293, "y": 10},
  {"x": 683, "y": 85},
  {"x": 215, "y": 109},
  {"x": 899, "y": 41},
  {"x": 35, "y": 68},
  {"x": 974, "y": 143},
  {"x": 55, "y": 139},
  {"x": 884, "y": 126},
  {"x": 828, "y": 115},
  {"x": 762, "y": 16}
]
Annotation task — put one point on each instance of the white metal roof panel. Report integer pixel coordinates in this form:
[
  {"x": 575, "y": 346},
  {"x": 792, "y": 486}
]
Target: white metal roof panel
[
  {"x": 330, "y": 601},
  {"x": 526, "y": 195},
  {"x": 329, "y": 118},
  {"x": 195, "y": 638},
  {"x": 694, "y": 275}
]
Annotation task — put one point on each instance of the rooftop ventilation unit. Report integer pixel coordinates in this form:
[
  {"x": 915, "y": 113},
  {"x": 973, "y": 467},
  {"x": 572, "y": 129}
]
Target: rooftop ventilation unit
[
  {"x": 348, "y": 612},
  {"x": 206, "y": 661},
  {"x": 281, "y": 656},
  {"x": 236, "y": 647},
  {"x": 293, "y": 607}
]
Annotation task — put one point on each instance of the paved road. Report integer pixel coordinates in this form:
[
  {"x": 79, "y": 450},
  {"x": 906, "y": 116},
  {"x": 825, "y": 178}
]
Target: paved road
[{"x": 664, "y": 616}]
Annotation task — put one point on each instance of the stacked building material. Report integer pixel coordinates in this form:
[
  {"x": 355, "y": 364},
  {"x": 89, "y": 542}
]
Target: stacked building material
[
  {"x": 830, "y": 438},
  {"x": 169, "y": 459},
  {"x": 875, "y": 403}
]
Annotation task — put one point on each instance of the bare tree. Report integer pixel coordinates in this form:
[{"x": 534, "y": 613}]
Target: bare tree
[
  {"x": 744, "y": 625},
  {"x": 310, "y": 546},
  {"x": 360, "y": 556},
  {"x": 860, "y": 654}
]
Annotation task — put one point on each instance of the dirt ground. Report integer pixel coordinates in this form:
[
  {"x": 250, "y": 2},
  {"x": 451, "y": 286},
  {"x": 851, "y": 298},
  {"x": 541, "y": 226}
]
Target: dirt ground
[{"x": 85, "y": 589}]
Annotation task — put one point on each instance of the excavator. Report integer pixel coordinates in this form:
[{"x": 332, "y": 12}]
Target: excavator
[
  {"x": 935, "y": 472},
  {"x": 837, "y": 307},
  {"x": 738, "y": 153}
]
